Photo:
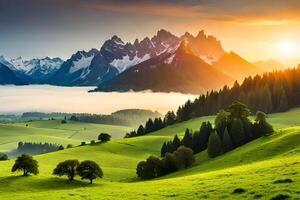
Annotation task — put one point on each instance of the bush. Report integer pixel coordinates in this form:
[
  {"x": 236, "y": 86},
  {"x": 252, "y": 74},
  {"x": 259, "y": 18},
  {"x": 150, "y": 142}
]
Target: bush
[
  {"x": 3, "y": 156},
  {"x": 154, "y": 167},
  {"x": 69, "y": 146},
  {"x": 151, "y": 168},
  {"x": 64, "y": 121},
  {"x": 104, "y": 137},
  {"x": 26, "y": 164},
  {"x": 184, "y": 157},
  {"x": 67, "y": 168},
  {"x": 82, "y": 144},
  {"x": 214, "y": 145},
  {"x": 169, "y": 163},
  {"x": 89, "y": 170},
  {"x": 93, "y": 142}
]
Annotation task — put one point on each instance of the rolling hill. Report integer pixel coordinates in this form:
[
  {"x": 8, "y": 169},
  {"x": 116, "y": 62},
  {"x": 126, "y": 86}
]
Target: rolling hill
[
  {"x": 262, "y": 169},
  {"x": 54, "y": 131}
]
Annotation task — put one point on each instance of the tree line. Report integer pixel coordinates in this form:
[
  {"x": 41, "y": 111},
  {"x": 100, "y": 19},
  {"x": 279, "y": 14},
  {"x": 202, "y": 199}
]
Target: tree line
[
  {"x": 271, "y": 92},
  {"x": 37, "y": 148},
  {"x": 86, "y": 169},
  {"x": 232, "y": 129}
]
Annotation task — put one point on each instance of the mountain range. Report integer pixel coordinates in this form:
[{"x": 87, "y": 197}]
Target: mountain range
[{"x": 164, "y": 62}]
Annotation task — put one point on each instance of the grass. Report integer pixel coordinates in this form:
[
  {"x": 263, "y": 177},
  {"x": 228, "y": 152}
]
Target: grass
[
  {"x": 257, "y": 170},
  {"x": 54, "y": 131}
]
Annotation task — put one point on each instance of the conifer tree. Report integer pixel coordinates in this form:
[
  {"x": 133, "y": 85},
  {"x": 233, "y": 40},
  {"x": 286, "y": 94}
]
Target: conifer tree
[
  {"x": 187, "y": 140},
  {"x": 237, "y": 132},
  {"x": 283, "y": 102},
  {"x": 140, "y": 131},
  {"x": 214, "y": 147},
  {"x": 226, "y": 142},
  {"x": 163, "y": 150},
  {"x": 176, "y": 142}
]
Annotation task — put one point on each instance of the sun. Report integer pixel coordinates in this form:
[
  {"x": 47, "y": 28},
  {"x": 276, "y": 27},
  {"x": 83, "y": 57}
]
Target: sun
[{"x": 287, "y": 47}]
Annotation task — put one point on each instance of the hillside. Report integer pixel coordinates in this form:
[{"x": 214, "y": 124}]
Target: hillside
[
  {"x": 237, "y": 67},
  {"x": 54, "y": 132},
  {"x": 270, "y": 65},
  {"x": 250, "y": 162},
  {"x": 7, "y": 76},
  {"x": 250, "y": 167}
]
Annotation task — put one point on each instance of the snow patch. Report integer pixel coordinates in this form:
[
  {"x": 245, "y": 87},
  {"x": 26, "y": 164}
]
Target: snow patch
[
  {"x": 170, "y": 59},
  {"x": 126, "y": 62},
  {"x": 209, "y": 59},
  {"x": 82, "y": 63}
]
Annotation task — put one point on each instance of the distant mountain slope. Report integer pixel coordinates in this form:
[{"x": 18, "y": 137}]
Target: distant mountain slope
[
  {"x": 235, "y": 66},
  {"x": 178, "y": 71},
  {"x": 74, "y": 70},
  {"x": 7, "y": 76},
  {"x": 116, "y": 56},
  {"x": 36, "y": 70},
  {"x": 270, "y": 65}
]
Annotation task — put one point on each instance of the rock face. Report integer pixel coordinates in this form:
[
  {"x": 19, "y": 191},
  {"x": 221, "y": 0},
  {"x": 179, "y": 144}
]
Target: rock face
[
  {"x": 34, "y": 70},
  {"x": 164, "y": 62},
  {"x": 115, "y": 56},
  {"x": 180, "y": 70}
]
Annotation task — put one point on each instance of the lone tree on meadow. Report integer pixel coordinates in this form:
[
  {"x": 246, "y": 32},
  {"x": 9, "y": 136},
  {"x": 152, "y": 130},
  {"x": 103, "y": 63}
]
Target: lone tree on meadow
[
  {"x": 67, "y": 168},
  {"x": 104, "y": 137},
  {"x": 89, "y": 170},
  {"x": 26, "y": 164}
]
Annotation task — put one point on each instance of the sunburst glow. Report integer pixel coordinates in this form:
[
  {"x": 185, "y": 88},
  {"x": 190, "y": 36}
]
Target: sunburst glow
[{"x": 287, "y": 47}]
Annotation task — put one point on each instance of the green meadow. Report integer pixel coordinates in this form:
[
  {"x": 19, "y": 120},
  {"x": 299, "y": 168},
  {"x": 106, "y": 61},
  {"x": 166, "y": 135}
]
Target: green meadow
[
  {"x": 265, "y": 168},
  {"x": 53, "y": 131}
]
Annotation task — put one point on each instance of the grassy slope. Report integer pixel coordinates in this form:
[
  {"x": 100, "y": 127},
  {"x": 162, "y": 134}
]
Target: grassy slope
[
  {"x": 54, "y": 132},
  {"x": 253, "y": 167}
]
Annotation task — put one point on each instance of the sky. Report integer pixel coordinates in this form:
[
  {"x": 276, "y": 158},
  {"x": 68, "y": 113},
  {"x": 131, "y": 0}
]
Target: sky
[{"x": 255, "y": 29}]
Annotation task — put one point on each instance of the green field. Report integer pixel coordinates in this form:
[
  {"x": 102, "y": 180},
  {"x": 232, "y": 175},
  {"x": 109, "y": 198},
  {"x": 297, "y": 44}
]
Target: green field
[
  {"x": 54, "y": 131},
  {"x": 253, "y": 167}
]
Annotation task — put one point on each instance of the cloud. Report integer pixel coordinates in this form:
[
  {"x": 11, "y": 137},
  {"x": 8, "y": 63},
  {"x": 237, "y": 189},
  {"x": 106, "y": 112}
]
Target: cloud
[
  {"x": 156, "y": 9},
  {"x": 251, "y": 12}
]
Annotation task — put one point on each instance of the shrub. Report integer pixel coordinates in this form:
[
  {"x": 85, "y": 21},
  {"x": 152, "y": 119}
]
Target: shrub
[
  {"x": 89, "y": 170},
  {"x": 3, "y": 156},
  {"x": 67, "y": 168},
  {"x": 82, "y": 144},
  {"x": 69, "y": 146},
  {"x": 214, "y": 145},
  {"x": 64, "y": 121},
  {"x": 104, "y": 137},
  {"x": 93, "y": 142},
  {"x": 169, "y": 163},
  {"x": 26, "y": 164},
  {"x": 151, "y": 168},
  {"x": 184, "y": 157}
]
